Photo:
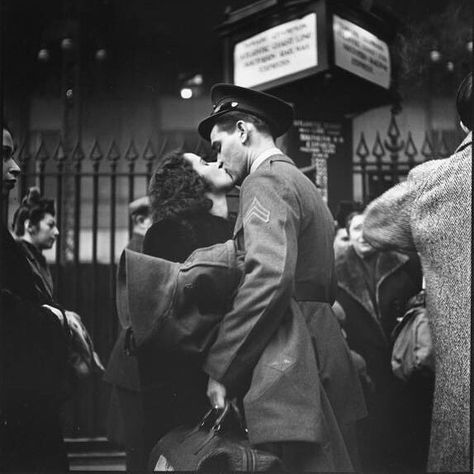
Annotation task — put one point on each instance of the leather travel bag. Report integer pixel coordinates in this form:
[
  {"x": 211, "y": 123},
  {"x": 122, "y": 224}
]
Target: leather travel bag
[{"x": 217, "y": 444}]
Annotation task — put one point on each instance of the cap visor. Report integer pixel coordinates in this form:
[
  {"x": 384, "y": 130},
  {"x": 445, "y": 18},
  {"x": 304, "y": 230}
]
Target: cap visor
[{"x": 205, "y": 127}]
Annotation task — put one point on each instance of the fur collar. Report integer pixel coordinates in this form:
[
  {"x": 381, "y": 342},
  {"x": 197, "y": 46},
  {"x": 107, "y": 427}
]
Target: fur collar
[{"x": 350, "y": 277}]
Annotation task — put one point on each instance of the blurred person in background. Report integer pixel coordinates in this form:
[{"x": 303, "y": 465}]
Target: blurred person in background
[
  {"x": 373, "y": 290},
  {"x": 341, "y": 239},
  {"x": 125, "y": 424},
  {"x": 140, "y": 215},
  {"x": 34, "y": 225},
  {"x": 431, "y": 213}
]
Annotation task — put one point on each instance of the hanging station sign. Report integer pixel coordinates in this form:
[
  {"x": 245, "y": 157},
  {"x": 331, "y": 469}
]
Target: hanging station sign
[
  {"x": 360, "y": 52},
  {"x": 287, "y": 51}
]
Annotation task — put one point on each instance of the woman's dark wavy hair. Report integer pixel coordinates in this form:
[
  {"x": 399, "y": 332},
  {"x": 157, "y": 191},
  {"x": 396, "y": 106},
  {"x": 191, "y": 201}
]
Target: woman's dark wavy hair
[
  {"x": 33, "y": 207},
  {"x": 175, "y": 188}
]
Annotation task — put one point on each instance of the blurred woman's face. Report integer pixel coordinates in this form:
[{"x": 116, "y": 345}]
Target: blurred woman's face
[
  {"x": 45, "y": 233},
  {"x": 212, "y": 173},
  {"x": 356, "y": 237}
]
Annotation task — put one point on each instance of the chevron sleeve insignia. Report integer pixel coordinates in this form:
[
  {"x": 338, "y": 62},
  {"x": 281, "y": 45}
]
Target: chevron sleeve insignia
[{"x": 257, "y": 210}]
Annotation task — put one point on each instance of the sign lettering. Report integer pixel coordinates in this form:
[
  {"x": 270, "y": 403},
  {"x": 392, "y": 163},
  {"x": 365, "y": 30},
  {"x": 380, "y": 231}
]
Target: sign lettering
[
  {"x": 275, "y": 53},
  {"x": 361, "y": 52}
]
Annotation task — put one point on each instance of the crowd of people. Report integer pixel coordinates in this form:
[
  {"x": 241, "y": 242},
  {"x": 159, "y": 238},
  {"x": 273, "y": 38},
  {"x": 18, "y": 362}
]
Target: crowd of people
[{"x": 301, "y": 341}]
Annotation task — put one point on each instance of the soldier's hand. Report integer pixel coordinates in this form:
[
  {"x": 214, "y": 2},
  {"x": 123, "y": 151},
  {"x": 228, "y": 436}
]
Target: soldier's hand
[{"x": 216, "y": 393}]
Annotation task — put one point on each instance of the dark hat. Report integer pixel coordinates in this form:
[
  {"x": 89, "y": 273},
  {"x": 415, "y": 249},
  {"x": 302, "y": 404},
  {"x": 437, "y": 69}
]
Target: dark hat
[{"x": 277, "y": 113}]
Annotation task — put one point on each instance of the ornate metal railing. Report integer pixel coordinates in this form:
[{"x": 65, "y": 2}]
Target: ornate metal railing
[{"x": 386, "y": 161}]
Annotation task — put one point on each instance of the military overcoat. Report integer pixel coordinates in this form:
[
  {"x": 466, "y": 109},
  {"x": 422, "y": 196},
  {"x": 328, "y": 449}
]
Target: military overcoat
[{"x": 282, "y": 312}]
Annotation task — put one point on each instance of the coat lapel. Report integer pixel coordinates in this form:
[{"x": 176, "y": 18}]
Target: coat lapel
[
  {"x": 388, "y": 263},
  {"x": 465, "y": 143},
  {"x": 351, "y": 280}
]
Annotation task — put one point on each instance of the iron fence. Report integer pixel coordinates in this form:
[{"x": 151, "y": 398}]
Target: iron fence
[{"x": 385, "y": 162}]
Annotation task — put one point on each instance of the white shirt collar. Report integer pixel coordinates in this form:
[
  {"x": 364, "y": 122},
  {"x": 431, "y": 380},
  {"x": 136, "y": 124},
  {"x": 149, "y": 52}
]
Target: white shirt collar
[{"x": 263, "y": 156}]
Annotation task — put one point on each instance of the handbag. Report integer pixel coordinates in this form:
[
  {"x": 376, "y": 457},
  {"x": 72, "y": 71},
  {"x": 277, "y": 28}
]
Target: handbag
[
  {"x": 82, "y": 358},
  {"x": 412, "y": 352},
  {"x": 217, "y": 443}
]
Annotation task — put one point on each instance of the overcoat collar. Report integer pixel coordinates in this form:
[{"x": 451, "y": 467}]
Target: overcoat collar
[
  {"x": 350, "y": 275},
  {"x": 465, "y": 143},
  {"x": 263, "y": 156}
]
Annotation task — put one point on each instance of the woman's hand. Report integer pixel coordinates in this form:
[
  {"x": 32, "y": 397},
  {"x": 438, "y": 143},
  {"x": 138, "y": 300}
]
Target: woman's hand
[{"x": 216, "y": 393}]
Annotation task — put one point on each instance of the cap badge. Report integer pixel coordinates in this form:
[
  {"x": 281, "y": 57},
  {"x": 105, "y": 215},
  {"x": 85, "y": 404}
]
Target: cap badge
[{"x": 225, "y": 106}]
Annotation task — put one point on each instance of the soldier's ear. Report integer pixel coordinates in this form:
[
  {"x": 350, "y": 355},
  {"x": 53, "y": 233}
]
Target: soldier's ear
[{"x": 243, "y": 129}]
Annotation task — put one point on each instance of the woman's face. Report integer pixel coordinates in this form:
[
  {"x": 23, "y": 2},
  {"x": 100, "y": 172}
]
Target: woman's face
[
  {"x": 44, "y": 234},
  {"x": 210, "y": 172},
  {"x": 356, "y": 237}
]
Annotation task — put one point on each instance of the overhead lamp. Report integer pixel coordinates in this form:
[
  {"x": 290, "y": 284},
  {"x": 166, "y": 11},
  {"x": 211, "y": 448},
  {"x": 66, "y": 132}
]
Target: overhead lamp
[
  {"x": 186, "y": 93},
  {"x": 101, "y": 54},
  {"x": 195, "y": 80},
  {"x": 67, "y": 44},
  {"x": 435, "y": 55},
  {"x": 44, "y": 55}
]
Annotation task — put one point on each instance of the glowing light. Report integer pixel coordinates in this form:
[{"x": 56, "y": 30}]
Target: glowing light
[
  {"x": 101, "y": 54},
  {"x": 197, "y": 80},
  {"x": 67, "y": 44},
  {"x": 435, "y": 55},
  {"x": 186, "y": 93},
  {"x": 43, "y": 55},
  {"x": 450, "y": 66},
  {"x": 469, "y": 46}
]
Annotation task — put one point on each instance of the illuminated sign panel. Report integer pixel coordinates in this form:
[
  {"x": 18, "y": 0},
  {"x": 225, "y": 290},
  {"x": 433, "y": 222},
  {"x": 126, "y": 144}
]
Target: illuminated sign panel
[
  {"x": 279, "y": 52},
  {"x": 360, "y": 52}
]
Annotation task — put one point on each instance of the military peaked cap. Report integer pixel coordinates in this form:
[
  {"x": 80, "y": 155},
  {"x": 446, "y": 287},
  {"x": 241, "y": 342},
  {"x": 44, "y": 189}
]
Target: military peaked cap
[{"x": 226, "y": 98}]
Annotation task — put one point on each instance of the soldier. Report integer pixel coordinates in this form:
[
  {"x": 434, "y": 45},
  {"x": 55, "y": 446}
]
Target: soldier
[{"x": 262, "y": 353}]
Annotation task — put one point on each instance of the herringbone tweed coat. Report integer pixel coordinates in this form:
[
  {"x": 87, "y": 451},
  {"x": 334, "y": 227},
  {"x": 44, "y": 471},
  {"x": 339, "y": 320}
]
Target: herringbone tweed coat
[{"x": 431, "y": 213}]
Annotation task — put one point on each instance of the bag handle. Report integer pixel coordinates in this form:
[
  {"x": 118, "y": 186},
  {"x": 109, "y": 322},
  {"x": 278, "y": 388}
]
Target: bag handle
[{"x": 220, "y": 415}]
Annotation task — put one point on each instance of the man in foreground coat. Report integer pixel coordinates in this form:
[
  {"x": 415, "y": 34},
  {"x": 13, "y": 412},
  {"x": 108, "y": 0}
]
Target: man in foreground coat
[
  {"x": 431, "y": 213},
  {"x": 286, "y": 232}
]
